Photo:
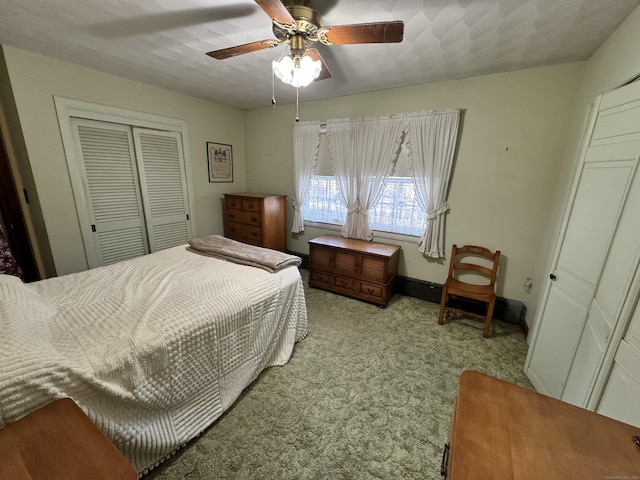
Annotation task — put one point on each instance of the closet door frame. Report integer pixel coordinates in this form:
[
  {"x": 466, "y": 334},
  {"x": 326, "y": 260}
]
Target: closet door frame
[
  {"x": 68, "y": 108},
  {"x": 631, "y": 300},
  {"x": 568, "y": 204}
]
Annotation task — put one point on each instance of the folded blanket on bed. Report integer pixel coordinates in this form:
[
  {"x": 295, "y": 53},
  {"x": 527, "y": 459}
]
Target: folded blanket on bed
[{"x": 221, "y": 247}]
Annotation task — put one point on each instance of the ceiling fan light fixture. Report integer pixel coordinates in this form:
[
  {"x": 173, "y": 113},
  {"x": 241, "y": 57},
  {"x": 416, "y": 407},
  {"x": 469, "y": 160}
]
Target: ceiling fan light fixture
[{"x": 297, "y": 71}]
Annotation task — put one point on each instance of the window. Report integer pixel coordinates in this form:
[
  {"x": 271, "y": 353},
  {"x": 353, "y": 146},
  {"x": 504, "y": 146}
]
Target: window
[
  {"x": 323, "y": 201},
  {"x": 397, "y": 210},
  {"x": 372, "y": 148}
]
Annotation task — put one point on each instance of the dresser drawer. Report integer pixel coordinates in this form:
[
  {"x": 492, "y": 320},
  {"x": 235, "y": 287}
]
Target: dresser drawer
[
  {"x": 251, "y": 205},
  {"x": 344, "y": 284},
  {"x": 233, "y": 202},
  {"x": 319, "y": 279},
  {"x": 370, "y": 290},
  {"x": 240, "y": 216},
  {"x": 241, "y": 232}
]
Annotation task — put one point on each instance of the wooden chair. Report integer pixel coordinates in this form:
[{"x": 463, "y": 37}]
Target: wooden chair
[{"x": 462, "y": 263}]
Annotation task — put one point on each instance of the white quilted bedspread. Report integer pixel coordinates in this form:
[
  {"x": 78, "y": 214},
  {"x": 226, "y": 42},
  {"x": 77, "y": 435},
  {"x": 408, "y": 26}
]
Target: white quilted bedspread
[{"x": 153, "y": 349}]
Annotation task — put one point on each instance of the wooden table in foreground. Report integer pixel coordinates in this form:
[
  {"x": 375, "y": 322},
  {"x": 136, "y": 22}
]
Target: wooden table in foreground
[
  {"x": 505, "y": 432},
  {"x": 59, "y": 442}
]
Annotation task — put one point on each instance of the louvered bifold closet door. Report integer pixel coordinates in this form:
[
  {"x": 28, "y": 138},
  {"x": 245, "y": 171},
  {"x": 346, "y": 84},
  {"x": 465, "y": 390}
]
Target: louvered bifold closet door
[
  {"x": 107, "y": 193},
  {"x": 162, "y": 178}
]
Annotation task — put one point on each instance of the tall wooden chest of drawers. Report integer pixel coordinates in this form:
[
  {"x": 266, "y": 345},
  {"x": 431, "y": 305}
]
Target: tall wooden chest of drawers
[
  {"x": 357, "y": 268},
  {"x": 257, "y": 219}
]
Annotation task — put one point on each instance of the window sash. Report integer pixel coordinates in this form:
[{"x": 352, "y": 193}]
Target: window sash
[{"x": 397, "y": 210}]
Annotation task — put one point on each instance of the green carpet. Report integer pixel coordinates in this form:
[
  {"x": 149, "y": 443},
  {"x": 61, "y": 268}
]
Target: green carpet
[{"x": 367, "y": 395}]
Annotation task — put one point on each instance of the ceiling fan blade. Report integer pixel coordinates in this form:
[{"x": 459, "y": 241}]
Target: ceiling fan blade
[
  {"x": 276, "y": 11},
  {"x": 315, "y": 55},
  {"x": 242, "y": 49},
  {"x": 379, "y": 32}
]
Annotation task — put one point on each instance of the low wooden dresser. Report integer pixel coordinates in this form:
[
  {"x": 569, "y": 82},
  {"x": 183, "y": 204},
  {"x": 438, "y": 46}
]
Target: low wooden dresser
[
  {"x": 503, "y": 431},
  {"x": 256, "y": 218},
  {"x": 357, "y": 268},
  {"x": 59, "y": 442}
]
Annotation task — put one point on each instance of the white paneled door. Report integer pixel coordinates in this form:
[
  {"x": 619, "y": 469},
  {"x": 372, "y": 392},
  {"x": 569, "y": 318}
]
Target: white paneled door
[
  {"x": 602, "y": 189},
  {"x": 130, "y": 190},
  {"x": 612, "y": 303},
  {"x": 586, "y": 304},
  {"x": 621, "y": 397}
]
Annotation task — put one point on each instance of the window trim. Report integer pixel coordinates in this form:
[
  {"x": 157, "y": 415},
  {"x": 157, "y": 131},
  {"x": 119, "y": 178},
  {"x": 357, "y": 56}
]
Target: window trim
[{"x": 403, "y": 237}]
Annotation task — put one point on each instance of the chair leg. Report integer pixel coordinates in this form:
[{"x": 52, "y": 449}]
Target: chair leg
[
  {"x": 443, "y": 305},
  {"x": 489, "y": 317}
]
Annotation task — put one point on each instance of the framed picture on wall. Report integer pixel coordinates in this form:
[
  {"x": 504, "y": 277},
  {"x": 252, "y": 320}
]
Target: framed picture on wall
[{"x": 220, "y": 159}]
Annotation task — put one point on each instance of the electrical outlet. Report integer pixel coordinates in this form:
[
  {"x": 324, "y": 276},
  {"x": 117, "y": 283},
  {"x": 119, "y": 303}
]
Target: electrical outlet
[{"x": 528, "y": 284}]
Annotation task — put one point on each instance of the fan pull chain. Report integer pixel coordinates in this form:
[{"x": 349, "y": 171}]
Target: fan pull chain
[
  {"x": 297, "y": 101},
  {"x": 273, "y": 89}
]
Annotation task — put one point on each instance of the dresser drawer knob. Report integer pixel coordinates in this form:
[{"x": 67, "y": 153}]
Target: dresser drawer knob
[
  {"x": 254, "y": 219},
  {"x": 255, "y": 234}
]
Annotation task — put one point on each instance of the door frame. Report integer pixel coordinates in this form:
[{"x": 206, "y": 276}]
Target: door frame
[
  {"x": 68, "y": 108},
  {"x": 632, "y": 298},
  {"x": 16, "y": 231},
  {"x": 568, "y": 207}
]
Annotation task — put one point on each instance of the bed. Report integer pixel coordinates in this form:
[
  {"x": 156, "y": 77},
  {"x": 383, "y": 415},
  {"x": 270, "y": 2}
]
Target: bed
[{"x": 152, "y": 349}]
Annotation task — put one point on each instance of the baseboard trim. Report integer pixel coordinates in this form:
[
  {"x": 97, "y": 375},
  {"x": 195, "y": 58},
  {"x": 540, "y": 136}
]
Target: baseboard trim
[{"x": 507, "y": 310}]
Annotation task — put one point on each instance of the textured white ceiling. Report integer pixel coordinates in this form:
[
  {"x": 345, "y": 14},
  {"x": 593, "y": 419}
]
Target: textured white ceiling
[{"x": 163, "y": 42}]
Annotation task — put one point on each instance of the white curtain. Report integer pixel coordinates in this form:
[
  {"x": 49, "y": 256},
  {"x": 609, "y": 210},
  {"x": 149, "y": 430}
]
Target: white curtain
[
  {"x": 342, "y": 154},
  {"x": 432, "y": 138},
  {"x": 363, "y": 152},
  {"x": 306, "y": 140}
]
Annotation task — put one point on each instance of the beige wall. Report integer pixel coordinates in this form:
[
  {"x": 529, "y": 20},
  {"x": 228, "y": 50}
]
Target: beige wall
[
  {"x": 615, "y": 63},
  {"x": 512, "y": 145},
  {"x": 35, "y": 81},
  {"x": 618, "y": 60}
]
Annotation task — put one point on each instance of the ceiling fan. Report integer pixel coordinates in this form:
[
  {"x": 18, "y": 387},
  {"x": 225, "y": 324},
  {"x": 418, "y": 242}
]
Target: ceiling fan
[{"x": 296, "y": 23}]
